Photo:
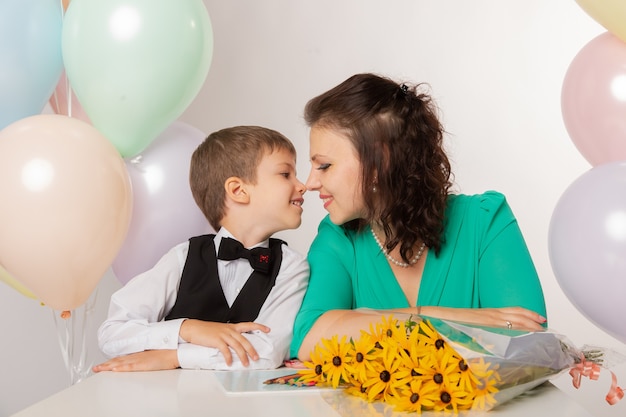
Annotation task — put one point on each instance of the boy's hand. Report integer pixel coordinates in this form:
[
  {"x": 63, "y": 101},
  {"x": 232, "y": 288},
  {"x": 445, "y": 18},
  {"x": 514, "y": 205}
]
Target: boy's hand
[
  {"x": 223, "y": 336},
  {"x": 148, "y": 360}
]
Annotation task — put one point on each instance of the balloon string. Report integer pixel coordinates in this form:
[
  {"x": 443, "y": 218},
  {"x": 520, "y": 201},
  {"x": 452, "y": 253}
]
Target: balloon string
[
  {"x": 72, "y": 329},
  {"x": 68, "y": 88}
]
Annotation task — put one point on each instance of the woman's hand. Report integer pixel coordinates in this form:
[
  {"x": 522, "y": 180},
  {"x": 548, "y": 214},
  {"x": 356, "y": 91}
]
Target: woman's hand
[
  {"x": 516, "y": 318},
  {"x": 148, "y": 360},
  {"x": 223, "y": 336}
]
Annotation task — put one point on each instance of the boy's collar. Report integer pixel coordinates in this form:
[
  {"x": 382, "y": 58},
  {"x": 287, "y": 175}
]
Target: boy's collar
[{"x": 223, "y": 232}]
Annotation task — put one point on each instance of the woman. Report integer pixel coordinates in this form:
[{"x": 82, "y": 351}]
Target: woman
[{"x": 395, "y": 239}]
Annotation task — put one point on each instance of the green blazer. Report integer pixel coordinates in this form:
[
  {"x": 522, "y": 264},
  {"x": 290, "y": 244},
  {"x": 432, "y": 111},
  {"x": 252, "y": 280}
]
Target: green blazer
[{"x": 483, "y": 262}]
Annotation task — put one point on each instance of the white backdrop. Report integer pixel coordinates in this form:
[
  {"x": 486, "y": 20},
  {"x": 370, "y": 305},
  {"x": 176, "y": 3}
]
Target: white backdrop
[{"x": 494, "y": 67}]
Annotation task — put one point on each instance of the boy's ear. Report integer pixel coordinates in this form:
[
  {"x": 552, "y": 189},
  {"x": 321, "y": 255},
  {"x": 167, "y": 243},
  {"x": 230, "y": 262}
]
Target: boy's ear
[{"x": 236, "y": 190}]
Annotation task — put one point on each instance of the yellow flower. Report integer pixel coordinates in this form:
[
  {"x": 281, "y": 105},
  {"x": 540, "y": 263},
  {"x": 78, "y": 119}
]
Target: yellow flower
[
  {"x": 432, "y": 338},
  {"x": 452, "y": 399},
  {"x": 382, "y": 382},
  {"x": 357, "y": 389},
  {"x": 440, "y": 371},
  {"x": 415, "y": 397},
  {"x": 411, "y": 358},
  {"x": 467, "y": 379},
  {"x": 313, "y": 371},
  {"x": 383, "y": 330},
  {"x": 335, "y": 360},
  {"x": 488, "y": 378},
  {"x": 361, "y": 354}
]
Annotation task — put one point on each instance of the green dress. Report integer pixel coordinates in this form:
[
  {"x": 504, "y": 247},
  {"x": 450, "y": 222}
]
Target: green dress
[{"x": 483, "y": 262}]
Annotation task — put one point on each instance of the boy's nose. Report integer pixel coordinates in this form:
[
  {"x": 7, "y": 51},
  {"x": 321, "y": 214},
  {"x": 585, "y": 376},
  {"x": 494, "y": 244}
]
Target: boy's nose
[{"x": 301, "y": 187}]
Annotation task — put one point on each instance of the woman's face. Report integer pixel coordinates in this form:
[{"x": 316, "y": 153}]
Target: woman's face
[{"x": 335, "y": 174}]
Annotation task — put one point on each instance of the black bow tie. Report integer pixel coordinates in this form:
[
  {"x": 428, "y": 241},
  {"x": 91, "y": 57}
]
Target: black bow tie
[{"x": 231, "y": 249}]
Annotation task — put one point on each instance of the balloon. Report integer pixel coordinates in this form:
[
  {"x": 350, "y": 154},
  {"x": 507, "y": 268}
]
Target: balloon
[
  {"x": 136, "y": 65},
  {"x": 30, "y": 47},
  {"x": 164, "y": 211},
  {"x": 66, "y": 206},
  {"x": 12, "y": 282},
  {"x": 593, "y": 100},
  {"x": 61, "y": 105},
  {"x": 609, "y": 13},
  {"x": 587, "y": 246}
]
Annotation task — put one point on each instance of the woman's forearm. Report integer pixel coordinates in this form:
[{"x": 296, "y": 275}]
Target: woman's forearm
[{"x": 347, "y": 323}]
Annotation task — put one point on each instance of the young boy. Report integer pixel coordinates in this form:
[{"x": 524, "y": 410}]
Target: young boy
[{"x": 201, "y": 305}]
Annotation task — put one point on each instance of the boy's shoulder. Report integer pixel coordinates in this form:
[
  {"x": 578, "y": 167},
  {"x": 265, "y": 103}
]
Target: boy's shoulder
[
  {"x": 293, "y": 261},
  {"x": 288, "y": 250}
]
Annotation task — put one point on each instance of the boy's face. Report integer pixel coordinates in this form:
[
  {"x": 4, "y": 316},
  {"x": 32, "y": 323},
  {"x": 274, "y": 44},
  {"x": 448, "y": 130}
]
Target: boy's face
[{"x": 276, "y": 198}]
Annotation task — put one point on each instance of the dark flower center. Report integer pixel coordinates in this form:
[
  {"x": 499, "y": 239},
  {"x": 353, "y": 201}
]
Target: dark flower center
[
  {"x": 445, "y": 397},
  {"x": 389, "y": 333},
  {"x": 439, "y": 343},
  {"x": 438, "y": 378},
  {"x": 415, "y": 397},
  {"x": 359, "y": 357},
  {"x": 378, "y": 346},
  {"x": 337, "y": 361},
  {"x": 463, "y": 366},
  {"x": 318, "y": 370},
  {"x": 385, "y": 376}
]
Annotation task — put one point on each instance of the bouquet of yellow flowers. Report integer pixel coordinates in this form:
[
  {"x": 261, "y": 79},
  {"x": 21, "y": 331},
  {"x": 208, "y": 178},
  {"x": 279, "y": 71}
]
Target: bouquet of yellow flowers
[{"x": 421, "y": 364}]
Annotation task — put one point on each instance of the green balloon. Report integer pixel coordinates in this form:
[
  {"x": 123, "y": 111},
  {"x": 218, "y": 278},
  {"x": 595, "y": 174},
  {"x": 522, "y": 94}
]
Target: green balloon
[{"x": 136, "y": 65}]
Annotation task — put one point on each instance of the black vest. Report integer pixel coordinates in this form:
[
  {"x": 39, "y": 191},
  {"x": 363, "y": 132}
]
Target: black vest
[{"x": 200, "y": 295}]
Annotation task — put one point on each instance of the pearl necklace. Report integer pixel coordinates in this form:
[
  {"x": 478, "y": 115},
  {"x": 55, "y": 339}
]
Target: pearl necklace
[{"x": 393, "y": 260}]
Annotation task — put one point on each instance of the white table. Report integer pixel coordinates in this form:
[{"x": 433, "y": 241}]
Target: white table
[{"x": 192, "y": 393}]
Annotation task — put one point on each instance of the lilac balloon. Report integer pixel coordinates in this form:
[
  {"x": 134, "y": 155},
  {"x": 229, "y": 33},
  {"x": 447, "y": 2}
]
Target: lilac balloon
[
  {"x": 164, "y": 211},
  {"x": 593, "y": 100},
  {"x": 587, "y": 246}
]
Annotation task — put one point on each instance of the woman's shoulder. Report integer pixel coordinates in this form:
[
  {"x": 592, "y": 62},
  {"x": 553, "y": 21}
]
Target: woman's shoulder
[
  {"x": 332, "y": 237},
  {"x": 488, "y": 206},
  {"x": 488, "y": 201},
  {"x": 332, "y": 231}
]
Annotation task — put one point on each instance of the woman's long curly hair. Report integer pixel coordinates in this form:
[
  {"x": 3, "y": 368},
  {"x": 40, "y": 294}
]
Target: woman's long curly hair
[{"x": 406, "y": 174}]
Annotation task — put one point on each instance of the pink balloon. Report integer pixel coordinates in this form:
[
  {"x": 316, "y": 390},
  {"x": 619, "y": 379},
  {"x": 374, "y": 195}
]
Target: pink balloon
[
  {"x": 60, "y": 104},
  {"x": 587, "y": 246},
  {"x": 164, "y": 212},
  {"x": 593, "y": 100},
  {"x": 65, "y": 208}
]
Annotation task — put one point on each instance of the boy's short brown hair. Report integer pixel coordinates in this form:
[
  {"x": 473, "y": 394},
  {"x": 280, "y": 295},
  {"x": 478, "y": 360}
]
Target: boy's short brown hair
[{"x": 231, "y": 152}]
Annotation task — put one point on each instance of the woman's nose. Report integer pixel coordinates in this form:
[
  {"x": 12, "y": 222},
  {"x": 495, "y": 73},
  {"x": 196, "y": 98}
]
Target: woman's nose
[{"x": 312, "y": 183}]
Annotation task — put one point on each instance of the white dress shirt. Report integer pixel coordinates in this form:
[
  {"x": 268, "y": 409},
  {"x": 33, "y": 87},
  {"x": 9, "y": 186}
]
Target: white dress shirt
[{"x": 135, "y": 321}]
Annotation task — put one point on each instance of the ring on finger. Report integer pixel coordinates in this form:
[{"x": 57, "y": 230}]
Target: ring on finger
[{"x": 509, "y": 325}]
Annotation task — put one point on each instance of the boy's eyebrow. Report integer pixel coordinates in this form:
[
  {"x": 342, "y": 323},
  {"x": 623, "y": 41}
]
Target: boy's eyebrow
[
  {"x": 314, "y": 157},
  {"x": 287, "y": 164}
]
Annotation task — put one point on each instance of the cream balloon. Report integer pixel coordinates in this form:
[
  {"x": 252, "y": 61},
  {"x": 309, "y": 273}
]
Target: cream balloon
[
  {"x": 609, "y": 13},
  {"x": 66, "y": 207}
]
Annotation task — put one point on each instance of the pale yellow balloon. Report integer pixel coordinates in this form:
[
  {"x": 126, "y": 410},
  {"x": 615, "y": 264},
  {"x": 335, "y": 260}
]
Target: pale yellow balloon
[
  {"x": 15, "y": 284},
  {"x": 609, "y": 13}
]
